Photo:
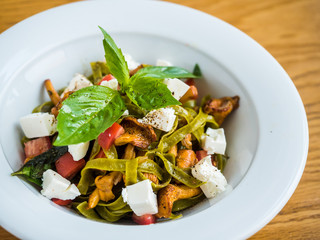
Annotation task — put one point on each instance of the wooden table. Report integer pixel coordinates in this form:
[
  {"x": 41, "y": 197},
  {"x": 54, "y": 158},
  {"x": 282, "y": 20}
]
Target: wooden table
[{"x": 290, "y": 31}]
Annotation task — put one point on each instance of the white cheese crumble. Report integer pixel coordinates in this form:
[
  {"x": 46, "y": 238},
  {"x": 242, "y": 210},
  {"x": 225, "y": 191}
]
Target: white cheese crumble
[
  {"x": 214, "y": 141},
  {"x": 141, "y": 198},
  {"x": 125, "y": 113},
  {"x": 79, "y": 81},
  {"x": 113, "y": 84},
  {"x": 162, "y": 119},
  {"x": 56, "y": 186},
  {"x": 163, "y": 63},
  {"x": 177, "y": 87},
  {"x": 215, "y": 182},
  {"x": 78, "y": 151},
  {"x": 132, "y": 64},
  {"x": 38, "y": 125}
]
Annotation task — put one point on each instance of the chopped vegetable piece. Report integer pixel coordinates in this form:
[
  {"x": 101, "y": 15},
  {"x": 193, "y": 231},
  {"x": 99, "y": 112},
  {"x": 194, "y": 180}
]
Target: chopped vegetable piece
[
  {"x": 67, "y": 167},
  {"x": 144, "y": 219},
  {"x": 106, "y": 78},
  {"x": 190, "y": 82},
  {"x": 37, "y": 146},
  {"x": 201, "y": 154},
  {"x": 61, "y": 202},
  {"x": 100, "y": 154},
  {"x": 106, "y": 139}
]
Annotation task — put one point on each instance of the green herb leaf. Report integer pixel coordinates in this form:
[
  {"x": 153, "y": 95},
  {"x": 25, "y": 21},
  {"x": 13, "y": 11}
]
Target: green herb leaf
[
  {"x": 197, "y": 71},
  {"x": 150, "y": 93},
  {"x": 34, "y": 169},
  {"x": 115, "y": 59},
  {"x": 86, "y": 113},
  {"x": 163, "y": 72}
]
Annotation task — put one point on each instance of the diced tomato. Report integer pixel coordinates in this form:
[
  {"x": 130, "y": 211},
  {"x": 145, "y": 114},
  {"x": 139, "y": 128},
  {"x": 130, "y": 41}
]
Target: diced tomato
[
  {"x": 190, "y": 82},
  {"x": 37, "y": 146},
  {"x": 100, "y": 154},
  {"x": 61, "y": 202},
  {"x": 106, "y": 78},
  {"x": 144, "y": 219},
  {"x": 67, "y": 167},
  {"x": 107, "y": 138},
  {"x": 201, "y": 154}
]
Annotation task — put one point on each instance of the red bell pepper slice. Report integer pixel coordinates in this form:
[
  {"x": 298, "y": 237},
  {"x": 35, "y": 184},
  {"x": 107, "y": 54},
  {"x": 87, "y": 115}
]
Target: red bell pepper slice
[{"x": 106, "y": 139}]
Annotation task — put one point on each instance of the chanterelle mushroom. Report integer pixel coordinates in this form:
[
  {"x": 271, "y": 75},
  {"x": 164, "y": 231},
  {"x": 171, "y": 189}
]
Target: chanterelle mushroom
[
  {"x": 104, "y": 186},
  {"x": 138, "y": 134},
  {"x": 220, "y": 108},
  {"x": 186, "y": 158},
  {"x": 171, "y": 193}
]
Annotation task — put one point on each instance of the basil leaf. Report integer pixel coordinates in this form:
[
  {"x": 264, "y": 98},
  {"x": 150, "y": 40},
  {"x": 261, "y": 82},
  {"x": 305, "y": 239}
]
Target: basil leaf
[
  {"x": 161, "y": 72},
  {"x": 115, "y": 59},
  {"x": 34, "y": 169},
  {"x": 150, "y": 93},
  {"x": 86, "y": 113},
  {"x": 197, "y": 71}
]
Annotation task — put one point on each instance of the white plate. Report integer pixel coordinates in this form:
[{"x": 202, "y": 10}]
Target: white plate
[{"x": 267, "y": 136}]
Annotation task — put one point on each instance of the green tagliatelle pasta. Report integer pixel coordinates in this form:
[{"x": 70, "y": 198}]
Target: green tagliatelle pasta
[
  {"x": 168, "y": 141},
  {"x": 186, "y": 203},
  {"x": 98, "y": 164},
  {"x": 179, "y": 174},
  {"x": 131, "y": 171},
  {"x": 88, "y": 213}
]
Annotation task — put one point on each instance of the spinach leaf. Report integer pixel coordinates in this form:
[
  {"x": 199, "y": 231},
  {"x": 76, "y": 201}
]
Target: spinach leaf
[
  {"x": 34, "y": 169},
  {"x": 150, "y": 93},
  {"x": 161, "y": 72},
  {"x": 87, "y": 113},
  {"x": 115, "y": 59}
]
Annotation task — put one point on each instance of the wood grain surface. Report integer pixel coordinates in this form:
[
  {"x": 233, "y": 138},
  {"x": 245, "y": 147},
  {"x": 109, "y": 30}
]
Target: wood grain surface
[{"x": 290, "y": 31}]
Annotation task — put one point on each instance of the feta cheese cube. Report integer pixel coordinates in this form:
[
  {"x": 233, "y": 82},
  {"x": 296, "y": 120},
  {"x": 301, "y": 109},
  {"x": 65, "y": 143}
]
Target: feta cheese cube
[
  {"x": 206, "y": 172},
  {"x": 78, "y": 151},
  {"x": 162, "y": 119},
  {"x": 177, "y": 87},
  {"x": 132, "y": 64},
  {"x": 141, "y": 198},
  {"x": 71, "y": 192},
  {"x": 113, "y": 84},
  {"x": 203, "y": 169},
  {"x": 213, "y": 187},
  {"x": 125, "y": 113},
  {"x": 55, "y": 186},
  {"x": 163, "y": 63},
  {"x": 78, "y": 81},
  {"x": 38, "y": 125},
  {"x": 214, "y": 141}
]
